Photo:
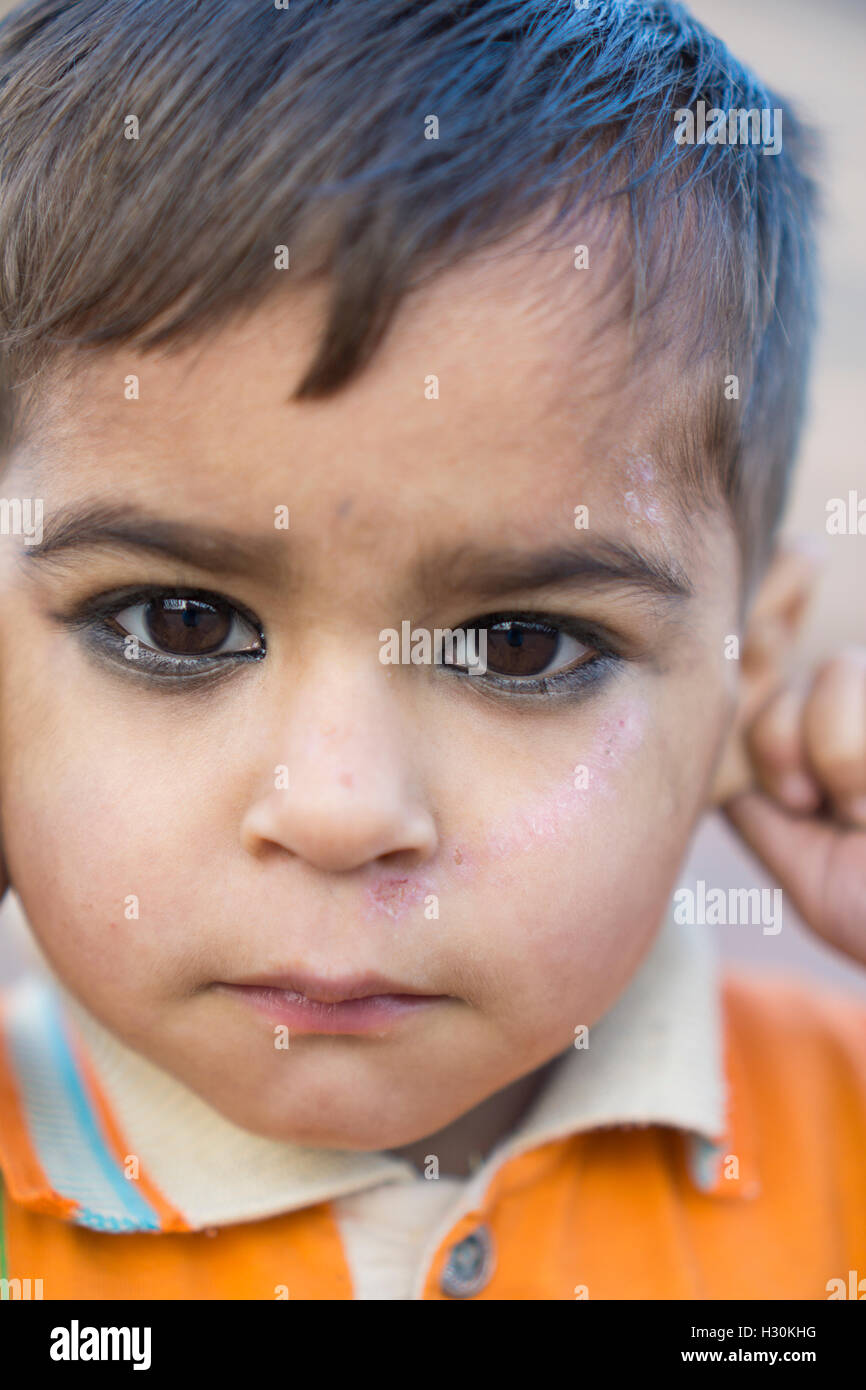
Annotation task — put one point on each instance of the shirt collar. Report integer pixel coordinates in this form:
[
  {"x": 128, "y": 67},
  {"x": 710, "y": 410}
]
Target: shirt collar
[{"x": 90, "y": 1113}]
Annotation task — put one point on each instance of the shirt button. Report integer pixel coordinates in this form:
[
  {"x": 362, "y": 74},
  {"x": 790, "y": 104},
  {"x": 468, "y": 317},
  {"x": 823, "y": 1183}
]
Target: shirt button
[{"x": 470, "y": 1264}]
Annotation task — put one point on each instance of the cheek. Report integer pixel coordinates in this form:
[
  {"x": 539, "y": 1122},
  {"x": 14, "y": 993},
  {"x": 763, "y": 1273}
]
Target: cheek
[
  {"x": 570, "y": 883},
  {"x": 575, "y": 806},
  {"x": 105, "y": 855},
  {"x": 560, "y": 927}
]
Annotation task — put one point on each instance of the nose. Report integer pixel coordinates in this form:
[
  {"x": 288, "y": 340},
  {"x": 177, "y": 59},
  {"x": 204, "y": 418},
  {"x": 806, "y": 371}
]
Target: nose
[{"x": 342, "y": 790}]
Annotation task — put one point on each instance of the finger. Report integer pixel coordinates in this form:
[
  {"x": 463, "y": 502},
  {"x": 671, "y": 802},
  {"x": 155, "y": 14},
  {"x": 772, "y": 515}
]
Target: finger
[
  {"x": 834, "y": 728},
  {"x": 777, "y": 750},
  {"x": 819, "y": 867}
]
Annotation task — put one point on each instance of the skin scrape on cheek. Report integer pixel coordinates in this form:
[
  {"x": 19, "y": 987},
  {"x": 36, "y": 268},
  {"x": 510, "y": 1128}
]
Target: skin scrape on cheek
[
  {"x": 557, "y": 812},
  {"x": 560, "y": 810},
  {"x": 619, "y": 735}
]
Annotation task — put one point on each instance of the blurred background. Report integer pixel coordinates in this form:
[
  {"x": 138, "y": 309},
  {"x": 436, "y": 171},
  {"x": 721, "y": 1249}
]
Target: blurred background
[{"x": 815, "y": 55}]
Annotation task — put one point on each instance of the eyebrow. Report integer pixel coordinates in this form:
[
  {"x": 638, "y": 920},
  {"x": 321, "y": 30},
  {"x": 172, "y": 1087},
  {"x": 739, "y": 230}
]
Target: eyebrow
[
  {"x": 593, "y": 561},
  {"x": 214, "y": 549},
  {"x": 485, "y": 572}
]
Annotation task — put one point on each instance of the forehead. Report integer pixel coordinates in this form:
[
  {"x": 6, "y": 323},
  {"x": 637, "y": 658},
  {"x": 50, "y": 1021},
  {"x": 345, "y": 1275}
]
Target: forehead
[{"x": 495, "y": 397}]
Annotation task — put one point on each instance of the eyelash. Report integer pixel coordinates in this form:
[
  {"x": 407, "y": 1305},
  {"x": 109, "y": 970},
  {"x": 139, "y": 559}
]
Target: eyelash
[
  {"x": 569, "y": 683},
  {"x": 92, "y": 617}
]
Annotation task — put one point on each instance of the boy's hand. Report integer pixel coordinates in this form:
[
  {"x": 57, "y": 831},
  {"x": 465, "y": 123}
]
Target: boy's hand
[{"x": 807, "y": 817}]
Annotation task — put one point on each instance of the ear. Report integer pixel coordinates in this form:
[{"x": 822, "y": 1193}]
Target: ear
[{"x": 766, "y": 647}]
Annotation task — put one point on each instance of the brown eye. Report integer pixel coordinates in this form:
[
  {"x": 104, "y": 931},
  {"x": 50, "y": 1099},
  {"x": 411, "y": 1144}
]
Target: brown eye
[
  {"x": 188, "y": 627},
  {"x": 530, "y": 649}
]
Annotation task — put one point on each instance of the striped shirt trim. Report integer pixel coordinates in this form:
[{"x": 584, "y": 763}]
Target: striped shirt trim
[{"x": 68, "y": 1141}]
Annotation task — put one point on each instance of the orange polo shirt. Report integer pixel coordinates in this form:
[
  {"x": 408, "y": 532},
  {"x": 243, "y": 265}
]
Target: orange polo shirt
[{"x": 757, "y": 1193}]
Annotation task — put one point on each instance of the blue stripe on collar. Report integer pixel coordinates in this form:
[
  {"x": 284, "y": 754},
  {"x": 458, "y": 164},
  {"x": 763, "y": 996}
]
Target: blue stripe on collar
[{"x": 66, "y": 1132}]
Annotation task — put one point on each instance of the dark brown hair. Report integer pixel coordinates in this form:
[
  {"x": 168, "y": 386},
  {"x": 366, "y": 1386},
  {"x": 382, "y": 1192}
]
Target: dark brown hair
[{"x": 304, "y": 126}]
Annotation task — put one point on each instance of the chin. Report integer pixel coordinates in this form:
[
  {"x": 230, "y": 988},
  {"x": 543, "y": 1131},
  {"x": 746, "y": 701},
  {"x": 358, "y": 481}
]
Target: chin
[{"x": 291, "y": 1126}]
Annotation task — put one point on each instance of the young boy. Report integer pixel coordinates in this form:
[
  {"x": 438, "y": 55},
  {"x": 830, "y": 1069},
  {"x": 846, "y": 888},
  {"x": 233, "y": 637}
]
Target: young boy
[{"x": 326, "y": 329}]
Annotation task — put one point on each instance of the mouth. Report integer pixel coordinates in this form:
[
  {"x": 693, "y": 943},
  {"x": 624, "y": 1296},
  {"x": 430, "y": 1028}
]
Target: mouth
[{"x": 310, "y": 1004}]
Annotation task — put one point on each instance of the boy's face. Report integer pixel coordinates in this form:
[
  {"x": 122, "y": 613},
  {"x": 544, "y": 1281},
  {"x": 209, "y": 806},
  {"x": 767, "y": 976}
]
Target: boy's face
[{"x": 504, "y": 842}]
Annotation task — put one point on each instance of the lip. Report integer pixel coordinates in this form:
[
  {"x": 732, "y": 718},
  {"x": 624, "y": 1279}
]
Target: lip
[
  {"x": 338, "y": 989},
  {"x": 349, "y": 1004}
]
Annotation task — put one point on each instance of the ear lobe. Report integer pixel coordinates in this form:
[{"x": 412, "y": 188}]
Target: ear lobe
[{"x": 771, "y": 629}]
